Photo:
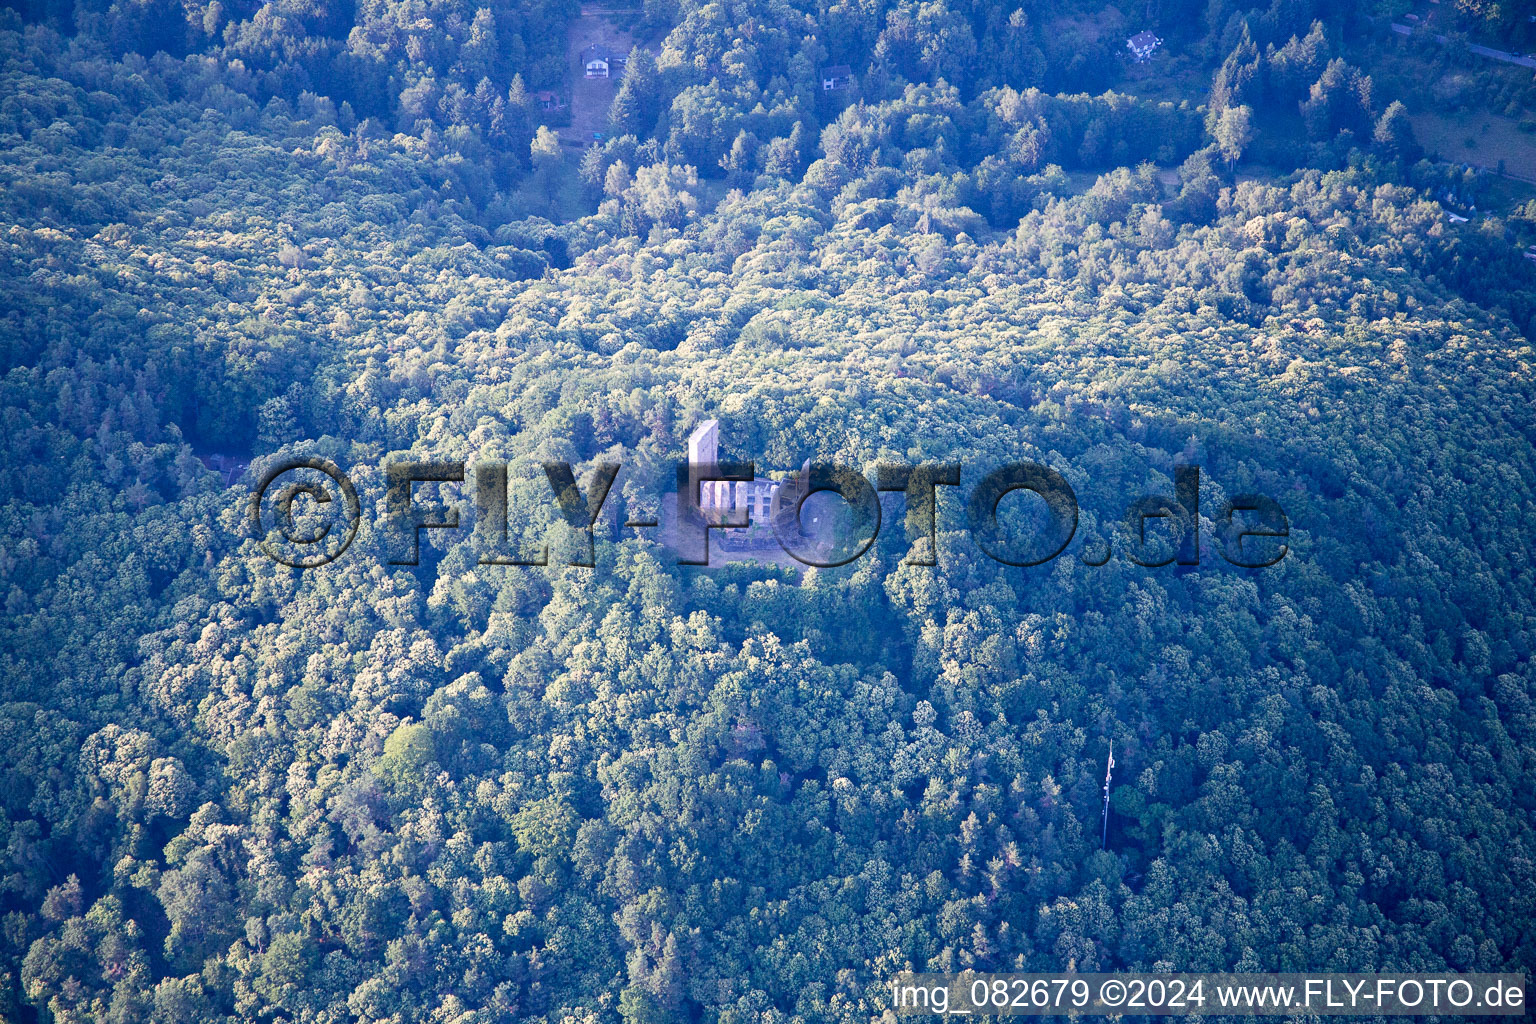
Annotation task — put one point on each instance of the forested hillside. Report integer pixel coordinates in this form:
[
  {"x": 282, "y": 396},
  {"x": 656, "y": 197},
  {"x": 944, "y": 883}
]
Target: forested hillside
[{"x": 642, "y": 792}]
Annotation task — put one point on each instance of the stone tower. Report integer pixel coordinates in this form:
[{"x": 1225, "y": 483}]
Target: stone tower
[{"x": 703, "y": 450}]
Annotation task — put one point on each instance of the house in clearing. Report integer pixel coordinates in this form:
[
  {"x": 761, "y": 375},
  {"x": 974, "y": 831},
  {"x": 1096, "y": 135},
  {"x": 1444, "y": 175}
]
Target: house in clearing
[
  {"x": 601, "y": 62},
  {"x": 836, "y": 77},
  {"x": 1141, "y": 45},
  {"x": 549, "y": 100}
]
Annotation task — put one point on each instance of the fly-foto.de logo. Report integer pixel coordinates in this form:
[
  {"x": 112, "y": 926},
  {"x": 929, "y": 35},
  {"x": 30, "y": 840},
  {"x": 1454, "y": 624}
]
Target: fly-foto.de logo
[{"x": 306, "y": 512}]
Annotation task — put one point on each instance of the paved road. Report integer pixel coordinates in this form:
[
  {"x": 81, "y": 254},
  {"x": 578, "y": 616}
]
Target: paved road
[{"x": 1482, "y": 51}]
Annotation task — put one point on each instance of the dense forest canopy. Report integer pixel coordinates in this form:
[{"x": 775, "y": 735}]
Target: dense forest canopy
[{"x": 238, "y": 233}]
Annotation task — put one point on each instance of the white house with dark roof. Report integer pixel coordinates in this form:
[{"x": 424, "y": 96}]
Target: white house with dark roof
[
  {"x": 1142, "y": 45},
  {"x": 836, "y": 78},
  {"x": 601, "y": 62}
]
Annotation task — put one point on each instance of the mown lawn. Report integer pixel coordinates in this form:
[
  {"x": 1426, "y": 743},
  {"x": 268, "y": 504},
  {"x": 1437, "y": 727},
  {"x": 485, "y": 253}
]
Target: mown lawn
[{"x": 1478, "y": 138}]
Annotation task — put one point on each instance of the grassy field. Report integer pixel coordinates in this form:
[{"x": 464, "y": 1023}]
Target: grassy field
[
  {"x": 1478, "y": 138},
  {"x": 590, "y": 97},
  {"x": 1168, "y": 76}
]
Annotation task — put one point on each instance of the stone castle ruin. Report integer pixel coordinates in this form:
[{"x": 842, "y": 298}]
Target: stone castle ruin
[{"x": 755, "y": 497}]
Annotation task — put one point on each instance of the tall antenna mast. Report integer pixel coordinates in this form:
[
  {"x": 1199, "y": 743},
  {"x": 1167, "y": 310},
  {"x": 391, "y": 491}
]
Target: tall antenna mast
[{"x": 1108, "y": 774}]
